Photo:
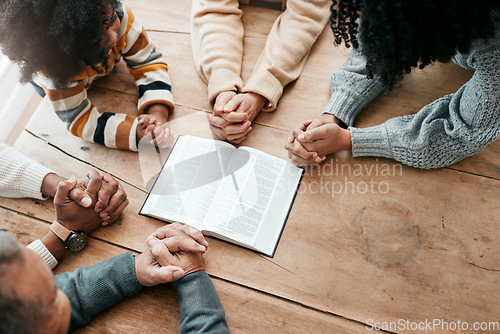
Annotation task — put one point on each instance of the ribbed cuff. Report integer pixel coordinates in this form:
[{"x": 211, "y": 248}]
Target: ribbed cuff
[
  {"x": 267, "y": 85},
  {"x": 345, "y": 105},
  {"x": 372, "y": 141},
  {"x": 223, "y": 80},
  {"x": 31, "y": 183},
  {"x": 38, "y": 247}
]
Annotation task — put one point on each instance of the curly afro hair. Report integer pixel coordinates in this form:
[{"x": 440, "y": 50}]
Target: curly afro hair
[
  {"x": 397, "y": 36},
  {"x": 58, "y": 38}
]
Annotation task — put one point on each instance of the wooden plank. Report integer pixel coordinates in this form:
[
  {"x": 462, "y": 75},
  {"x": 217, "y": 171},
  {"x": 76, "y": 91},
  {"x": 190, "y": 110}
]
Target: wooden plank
[
  {"x": 175, "y": 16},
  {"x": 155, "y": 309},
  {"x": 305, "y": 98},
  {"x": 379, "y": 246}
]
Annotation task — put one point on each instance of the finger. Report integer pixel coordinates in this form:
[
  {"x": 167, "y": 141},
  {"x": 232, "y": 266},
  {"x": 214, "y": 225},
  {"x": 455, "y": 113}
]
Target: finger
[
  {"x": 81, "y": 197},
  {"x": 183, "y": 243},
  {"x": 237, "y": 129},
  {"x": 237, "y": 140},
  {"x": 312, "y": 135},
  {"x": 218, "y": 133},
  {"x": 94, "y": 184},
  {"x": 234, "y": 117},
  {"x": 179, "y": 229},
  {"x": 233, "y": 104},
  {"x": 305, "y": 124},
  {"x": 168, "y": 274},
  {"x": 296, "y": 132},
  {"x": 222, "y": 99},
  {"x": 111, "y": 195},
  {"x": 233, "y": 138},
  {"x": 110, "y": 218},
  {"x": 217, "y": 121},
  {"x": 108, "y": 188},
  {"x": 300, "y": 162},
  {"x": 300, "y": 151},
  {"x": 63, "y": 190}
]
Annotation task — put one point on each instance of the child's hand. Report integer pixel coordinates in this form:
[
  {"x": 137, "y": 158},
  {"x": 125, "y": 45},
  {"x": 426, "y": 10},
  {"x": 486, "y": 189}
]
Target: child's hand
[
  {"x": 325, "y": 139},
  {"x": 232, "y": 123},
  {"x": 152, "y": 131},
  {"x": 248, "y": 103}
]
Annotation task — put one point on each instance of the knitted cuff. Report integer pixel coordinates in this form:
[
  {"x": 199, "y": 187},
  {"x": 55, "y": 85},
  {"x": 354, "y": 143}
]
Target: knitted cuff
[
  {"x": 345, "y": 105},
  {"x": 38, "y": 247},
  {"x": 372, "y": 141},
  {"x": 267, "y": 85},
  {"x": 223, "y": 80},
  {"x": 31, "y": 183}
]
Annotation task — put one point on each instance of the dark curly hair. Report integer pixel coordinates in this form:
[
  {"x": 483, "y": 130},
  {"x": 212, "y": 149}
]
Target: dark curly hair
[
  {"x": 58, "y": 38},
  {"x": 396, "y": 36}
]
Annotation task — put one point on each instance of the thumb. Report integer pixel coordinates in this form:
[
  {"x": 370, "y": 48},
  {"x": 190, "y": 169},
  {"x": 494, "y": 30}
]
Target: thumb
[
  {"x": 81, "y": 197},
  {"x": 233, "y": 104},
  {"x": 310, "y": 135},
  {"x": 63, "y": 190},
  {"x": 167, "y": 274}
]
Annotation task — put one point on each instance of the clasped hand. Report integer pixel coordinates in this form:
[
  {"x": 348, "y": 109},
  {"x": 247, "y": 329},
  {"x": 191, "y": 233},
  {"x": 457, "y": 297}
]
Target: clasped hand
[
  {"x": 233, "y": 115},
  {"x": 309, "y": 143},
  {"x": 174, "y": 251}
]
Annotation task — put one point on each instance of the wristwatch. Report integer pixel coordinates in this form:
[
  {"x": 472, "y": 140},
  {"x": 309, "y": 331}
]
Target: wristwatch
[{"x": 73, "y": 240}]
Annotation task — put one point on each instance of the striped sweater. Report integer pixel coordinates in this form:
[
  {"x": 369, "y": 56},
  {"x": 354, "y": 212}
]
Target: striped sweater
[{"x": 81, "y": 116}]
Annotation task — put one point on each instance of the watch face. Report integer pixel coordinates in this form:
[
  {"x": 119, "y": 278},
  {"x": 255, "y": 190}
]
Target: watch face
[{"x": 77, "y": 241}]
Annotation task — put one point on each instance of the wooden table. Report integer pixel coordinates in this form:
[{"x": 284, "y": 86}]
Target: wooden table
[{"x": 367, "y": 240}]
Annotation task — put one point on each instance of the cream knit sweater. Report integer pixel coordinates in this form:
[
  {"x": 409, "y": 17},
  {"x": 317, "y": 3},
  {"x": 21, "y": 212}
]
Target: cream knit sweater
[
  {"x": 20, "y": 176},
  {"x": 217, "y": 45}
]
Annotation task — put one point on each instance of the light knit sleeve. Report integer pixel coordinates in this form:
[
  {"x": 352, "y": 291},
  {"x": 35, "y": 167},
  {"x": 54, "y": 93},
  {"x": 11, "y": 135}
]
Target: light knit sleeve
[
  {"x": 449, "y": 129},
  {"x": 217, "y": 44},
  {"x": 20, "y": 176},
  {"x": 289, "y": 42},
  {"x": 351, "y": 89},
  {"x": 145, "y": 64}
]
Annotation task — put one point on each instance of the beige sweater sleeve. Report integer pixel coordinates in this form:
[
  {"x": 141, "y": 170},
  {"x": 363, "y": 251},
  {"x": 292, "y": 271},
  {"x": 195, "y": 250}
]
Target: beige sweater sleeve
[
  {"x": 289, "y": 42},
  {"x": 217, "y": 44}
]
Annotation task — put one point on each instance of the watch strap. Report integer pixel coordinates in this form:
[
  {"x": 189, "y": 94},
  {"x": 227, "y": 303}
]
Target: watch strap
[{"x": 62, "y": 232}]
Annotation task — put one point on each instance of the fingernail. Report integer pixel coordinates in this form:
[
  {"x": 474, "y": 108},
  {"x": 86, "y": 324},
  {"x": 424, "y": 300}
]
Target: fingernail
[
  {"x": 202, "y": 248},
  {"x": 151, "y": 242},
  {"x": 300, "y": 137},
  {"x": 86, "y": 202},
  {"x": 178, "y": 274},
  {"x": 104, "y": 224},
  {"x": 72, "y": 180}
]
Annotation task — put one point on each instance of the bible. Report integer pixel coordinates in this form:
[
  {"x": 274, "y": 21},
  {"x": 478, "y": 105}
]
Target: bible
[{"x": 239, "y": 195}]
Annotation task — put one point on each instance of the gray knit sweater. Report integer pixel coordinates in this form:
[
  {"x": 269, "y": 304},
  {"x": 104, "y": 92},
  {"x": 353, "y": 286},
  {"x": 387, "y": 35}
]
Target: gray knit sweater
[
  {"x": 93, "y": 289},
  {"x": 446, "y": 131}
]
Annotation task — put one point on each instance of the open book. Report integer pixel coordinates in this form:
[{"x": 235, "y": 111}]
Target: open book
[{"x": 242, "y": 195}]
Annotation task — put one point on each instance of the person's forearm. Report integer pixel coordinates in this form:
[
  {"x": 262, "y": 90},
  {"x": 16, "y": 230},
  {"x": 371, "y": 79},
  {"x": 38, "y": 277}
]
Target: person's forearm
[
  {"x": 54, "y": 245},
  {"x": 199, "y": 306},
  {"x": 93, "y": 289},
  {"x": 49, "y": 184},
  {"x": 288, "y": 44},
  {"x": 217, "y": 44},
  {"x": 20, "y": 175}
]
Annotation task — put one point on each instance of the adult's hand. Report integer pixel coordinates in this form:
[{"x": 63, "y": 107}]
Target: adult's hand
[
  {"x": 173, "y": 251},
  {"x": 233, "y": 115},
  {"x": 71, "y": 214},
  {"x": 111, "y": 197},
  {"x": 297, "y": 153},
  {"x": 326, "y": 139},
  {"x": 180, "y": 237}
]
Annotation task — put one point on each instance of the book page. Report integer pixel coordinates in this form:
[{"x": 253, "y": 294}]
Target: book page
[
  {"x": 187, "y": 184},
  {"x": 245, "y": 195}
]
